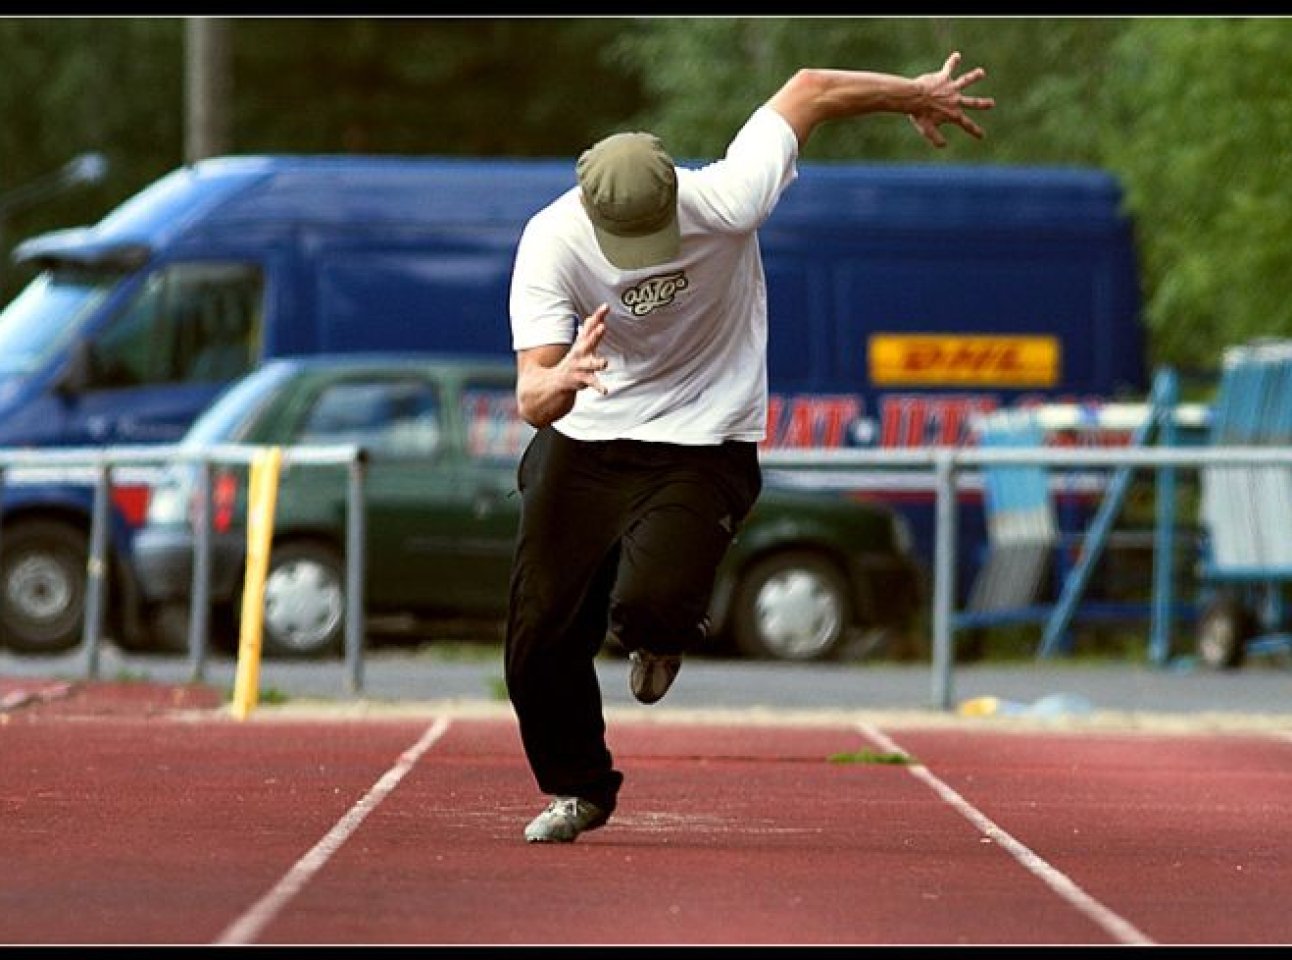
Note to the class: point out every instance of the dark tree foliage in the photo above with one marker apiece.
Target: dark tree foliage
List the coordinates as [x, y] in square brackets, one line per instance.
[72, 86]
[451, 86]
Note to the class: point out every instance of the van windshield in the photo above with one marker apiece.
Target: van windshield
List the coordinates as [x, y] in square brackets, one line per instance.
[47, 314]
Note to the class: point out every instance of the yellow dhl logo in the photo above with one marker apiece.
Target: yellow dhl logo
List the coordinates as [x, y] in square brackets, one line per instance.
[964, 360]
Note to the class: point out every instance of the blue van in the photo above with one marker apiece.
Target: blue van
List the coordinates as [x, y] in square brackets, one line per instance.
[903, 298]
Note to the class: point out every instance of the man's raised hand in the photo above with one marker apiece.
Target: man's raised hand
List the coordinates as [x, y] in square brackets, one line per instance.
[946, 103]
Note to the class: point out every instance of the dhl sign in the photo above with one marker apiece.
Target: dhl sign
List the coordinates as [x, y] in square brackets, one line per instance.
[946, 360]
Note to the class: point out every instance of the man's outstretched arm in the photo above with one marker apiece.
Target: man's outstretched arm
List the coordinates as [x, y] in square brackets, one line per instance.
[815, 94]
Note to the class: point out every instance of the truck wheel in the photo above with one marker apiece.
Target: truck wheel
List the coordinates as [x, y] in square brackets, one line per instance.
[42, 586]
[1224, 627]
[304, 602]
[791, 606]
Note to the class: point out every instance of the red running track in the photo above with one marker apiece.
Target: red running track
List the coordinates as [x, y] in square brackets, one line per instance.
[148, 815]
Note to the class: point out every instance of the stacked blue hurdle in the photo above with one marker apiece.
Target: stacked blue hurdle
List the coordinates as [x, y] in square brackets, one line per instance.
[1247, 510]
[1029, 551]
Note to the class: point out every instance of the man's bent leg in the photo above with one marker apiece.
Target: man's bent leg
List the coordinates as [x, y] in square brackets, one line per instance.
[685, 517]
[659, 606]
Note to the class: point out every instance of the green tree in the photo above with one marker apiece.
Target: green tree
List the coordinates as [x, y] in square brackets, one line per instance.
[449, 86]
[704, 76]
[1196, 121]
[76, 85]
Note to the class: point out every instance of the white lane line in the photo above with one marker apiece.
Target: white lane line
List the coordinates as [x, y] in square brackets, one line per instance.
[1120, 929]
[246, 928]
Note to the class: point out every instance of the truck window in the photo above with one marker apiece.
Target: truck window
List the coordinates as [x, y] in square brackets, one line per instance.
[394, 418]
[495, 431]
[190, 323]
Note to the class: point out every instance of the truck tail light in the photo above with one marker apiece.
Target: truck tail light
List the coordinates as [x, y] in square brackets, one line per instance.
[224, 496]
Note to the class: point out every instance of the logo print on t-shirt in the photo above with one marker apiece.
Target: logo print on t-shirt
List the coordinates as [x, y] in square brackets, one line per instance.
[654, 292]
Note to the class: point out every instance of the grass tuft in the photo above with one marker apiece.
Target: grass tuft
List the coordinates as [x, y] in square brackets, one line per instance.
[870, 756]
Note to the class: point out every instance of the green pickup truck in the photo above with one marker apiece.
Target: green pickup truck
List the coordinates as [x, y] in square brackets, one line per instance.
[808, 571]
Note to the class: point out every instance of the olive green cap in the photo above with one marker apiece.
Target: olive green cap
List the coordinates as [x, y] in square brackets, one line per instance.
[629, 190]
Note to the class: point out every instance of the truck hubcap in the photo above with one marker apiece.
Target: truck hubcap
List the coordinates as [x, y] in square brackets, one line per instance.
[303, 605]
[798, 616]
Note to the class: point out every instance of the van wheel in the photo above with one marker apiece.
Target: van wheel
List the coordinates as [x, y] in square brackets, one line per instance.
[1224, 627]
[42, 586]
[304, 602]
[792, 606]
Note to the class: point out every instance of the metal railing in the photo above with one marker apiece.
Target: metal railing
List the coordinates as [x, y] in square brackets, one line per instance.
[99, 465]
[949, 463]
[948, 466]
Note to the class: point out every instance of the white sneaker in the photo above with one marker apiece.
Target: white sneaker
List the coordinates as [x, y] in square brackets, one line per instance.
[564, 819]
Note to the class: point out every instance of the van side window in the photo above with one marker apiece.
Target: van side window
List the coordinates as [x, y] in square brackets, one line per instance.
[190, 323]
[396, 418]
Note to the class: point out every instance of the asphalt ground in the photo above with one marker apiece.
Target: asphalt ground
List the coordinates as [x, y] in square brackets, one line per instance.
[1258, 694]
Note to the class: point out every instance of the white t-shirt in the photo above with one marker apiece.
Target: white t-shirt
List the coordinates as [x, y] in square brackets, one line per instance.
[685, 341]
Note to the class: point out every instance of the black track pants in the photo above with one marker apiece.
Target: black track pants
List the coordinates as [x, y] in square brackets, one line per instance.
[615, 536]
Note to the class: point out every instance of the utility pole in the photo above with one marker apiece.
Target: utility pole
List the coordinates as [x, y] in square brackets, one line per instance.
[207, 87]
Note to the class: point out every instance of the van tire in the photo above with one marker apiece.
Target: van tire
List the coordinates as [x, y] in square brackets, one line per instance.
[42, 586]
[305, 602]
[794, 606]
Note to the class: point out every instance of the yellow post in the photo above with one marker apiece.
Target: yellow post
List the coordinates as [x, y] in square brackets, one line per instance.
[262, 495]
